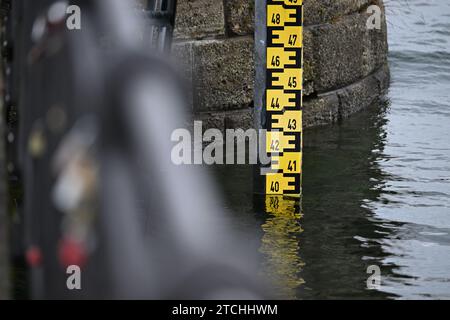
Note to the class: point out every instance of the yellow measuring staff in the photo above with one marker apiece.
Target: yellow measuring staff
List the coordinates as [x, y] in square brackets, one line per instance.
[288, 121]
[278, 100]
[288, 37]
[279, 58]
[280, 142]
[288, 79]
[280, 16]
[284, 84]
[281, 184]
[290, 162]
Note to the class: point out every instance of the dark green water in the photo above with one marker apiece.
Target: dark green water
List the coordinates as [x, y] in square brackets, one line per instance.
[376, 187]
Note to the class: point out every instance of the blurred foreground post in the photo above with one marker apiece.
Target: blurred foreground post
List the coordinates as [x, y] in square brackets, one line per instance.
[102, 194]
[4, 266]
[4, 236]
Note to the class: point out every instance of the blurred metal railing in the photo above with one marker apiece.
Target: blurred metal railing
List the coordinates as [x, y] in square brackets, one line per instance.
[162, 16]
[93, 144]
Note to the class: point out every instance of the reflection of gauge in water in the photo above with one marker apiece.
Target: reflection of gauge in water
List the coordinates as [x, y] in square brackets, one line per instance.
[280, 245]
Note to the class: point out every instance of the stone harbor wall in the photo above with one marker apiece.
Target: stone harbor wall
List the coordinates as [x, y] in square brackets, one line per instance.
[345, 63]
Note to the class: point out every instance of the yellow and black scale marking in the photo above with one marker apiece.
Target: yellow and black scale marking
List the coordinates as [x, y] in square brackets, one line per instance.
[283, 109]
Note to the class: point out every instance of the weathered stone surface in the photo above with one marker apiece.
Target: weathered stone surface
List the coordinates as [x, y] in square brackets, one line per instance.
[223, 74]
[235, 119]
[332, 106]
[343, 52]
[383, 76]
[361, 94]
[242, 119]
[211, 120]
[240, 16]
[198, 19]
[308, 62]
[321, 110]
[184, 60]
[323, 11]
[376, 47]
